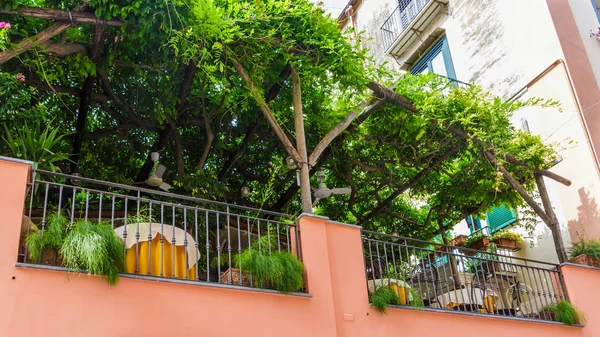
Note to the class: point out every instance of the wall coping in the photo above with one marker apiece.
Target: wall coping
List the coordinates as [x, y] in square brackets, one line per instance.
[17, 160]
[466, 313]
[168, 280]
[571, 264]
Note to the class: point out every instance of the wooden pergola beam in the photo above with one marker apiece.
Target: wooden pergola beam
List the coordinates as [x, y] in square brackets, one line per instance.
[391, 96]
[72, 17]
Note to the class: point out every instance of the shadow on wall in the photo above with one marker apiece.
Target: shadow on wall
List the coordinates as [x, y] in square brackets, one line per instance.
[587, 224]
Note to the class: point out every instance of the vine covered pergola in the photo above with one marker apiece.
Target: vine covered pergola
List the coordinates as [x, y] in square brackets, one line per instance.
[226, 90]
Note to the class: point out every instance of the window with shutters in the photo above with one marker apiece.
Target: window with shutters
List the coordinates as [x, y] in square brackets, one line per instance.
[497, 219]
[437, 60]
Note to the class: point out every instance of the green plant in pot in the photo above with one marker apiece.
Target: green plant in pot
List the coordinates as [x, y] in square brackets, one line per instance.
[564, 312]
[271, 268]
[43, 245]
[585, 252]
[506, 239]
[83, 245]
[95, 248]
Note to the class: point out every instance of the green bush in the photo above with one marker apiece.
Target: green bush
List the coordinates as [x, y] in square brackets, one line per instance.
[587, 247]
[382, 297]
[94, 248]
[565, 312]
[51, 237]
[271, 268]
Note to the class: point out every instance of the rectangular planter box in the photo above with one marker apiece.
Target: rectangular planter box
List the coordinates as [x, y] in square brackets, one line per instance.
[480, 244]
[507, 244]
[459, 240]
[586, 260]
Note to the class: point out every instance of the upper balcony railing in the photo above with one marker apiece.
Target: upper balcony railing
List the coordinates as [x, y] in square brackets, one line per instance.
[443, 277]
[400, 19]
[166, 236]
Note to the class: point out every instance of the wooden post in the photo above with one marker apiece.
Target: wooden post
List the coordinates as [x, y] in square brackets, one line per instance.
[554, 225]
[301, 144]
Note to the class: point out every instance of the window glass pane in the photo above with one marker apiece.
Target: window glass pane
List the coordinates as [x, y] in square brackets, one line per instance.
[438, 65]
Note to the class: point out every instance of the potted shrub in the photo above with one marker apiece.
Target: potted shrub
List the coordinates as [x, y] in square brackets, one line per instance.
[585, 252]
[505, 239]
[270, 268]
[563, 312]
[93, 247]
[43, 246]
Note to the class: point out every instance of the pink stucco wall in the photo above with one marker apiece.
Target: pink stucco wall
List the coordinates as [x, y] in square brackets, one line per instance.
[43, 303]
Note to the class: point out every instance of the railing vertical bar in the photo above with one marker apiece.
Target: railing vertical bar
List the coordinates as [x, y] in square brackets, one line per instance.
[112, 212]
[87, 204]
[173, 243]
[150, 238]
[207, 248]
[218, 249]
[162, 239]
[73, 204]
[229, 244]
[99, 207]
[239, 238]
[185, 244]
[197, 245]
[125, 230]
[249, 242]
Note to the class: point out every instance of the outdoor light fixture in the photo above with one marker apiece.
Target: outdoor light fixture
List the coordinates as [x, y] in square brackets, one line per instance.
[154, 156]
[321, 175]
[246, 191]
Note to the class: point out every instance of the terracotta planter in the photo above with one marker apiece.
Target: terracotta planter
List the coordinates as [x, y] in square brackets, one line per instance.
[480, 244]
[459, 240]
[586, 260]
[506, 244]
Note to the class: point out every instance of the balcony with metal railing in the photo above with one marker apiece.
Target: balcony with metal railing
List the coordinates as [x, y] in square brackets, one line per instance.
[440, 277]
[409, 18]
[166, 236]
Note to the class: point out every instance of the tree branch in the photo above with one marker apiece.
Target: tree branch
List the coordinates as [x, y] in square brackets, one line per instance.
[29, 43]
[408, 184]
[364, 108]
[291, 150]
[515, 185]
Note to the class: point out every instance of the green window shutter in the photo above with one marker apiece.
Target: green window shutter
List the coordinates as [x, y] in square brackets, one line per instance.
[500, 217]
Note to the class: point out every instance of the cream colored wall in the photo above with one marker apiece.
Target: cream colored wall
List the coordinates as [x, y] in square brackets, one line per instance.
[587, 21]
[502, 45]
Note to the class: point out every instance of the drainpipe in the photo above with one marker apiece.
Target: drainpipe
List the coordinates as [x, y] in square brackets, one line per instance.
[575, 98]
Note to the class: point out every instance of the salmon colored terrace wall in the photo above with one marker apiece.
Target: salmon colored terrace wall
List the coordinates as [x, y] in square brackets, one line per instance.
[36, 302]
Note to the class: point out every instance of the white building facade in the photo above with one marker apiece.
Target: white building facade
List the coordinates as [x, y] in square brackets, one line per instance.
[516, 50]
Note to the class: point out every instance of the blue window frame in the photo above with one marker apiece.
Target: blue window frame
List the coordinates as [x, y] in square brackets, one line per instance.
[437, 60]
[596, 7]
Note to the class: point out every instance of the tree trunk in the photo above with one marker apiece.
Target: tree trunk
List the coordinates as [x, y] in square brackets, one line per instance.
[301, 144]
[554, 224]
[85, 98]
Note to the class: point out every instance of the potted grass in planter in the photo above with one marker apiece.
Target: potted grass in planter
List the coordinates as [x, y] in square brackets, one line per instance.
[505, 239]
[562, 312]
[91, 247]
[477, 241]
[269, 268]
[43, 245]
[585, 252]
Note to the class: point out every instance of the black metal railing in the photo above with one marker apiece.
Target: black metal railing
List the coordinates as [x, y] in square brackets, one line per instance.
[443, 277]
[166, 235]
[400, 20]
